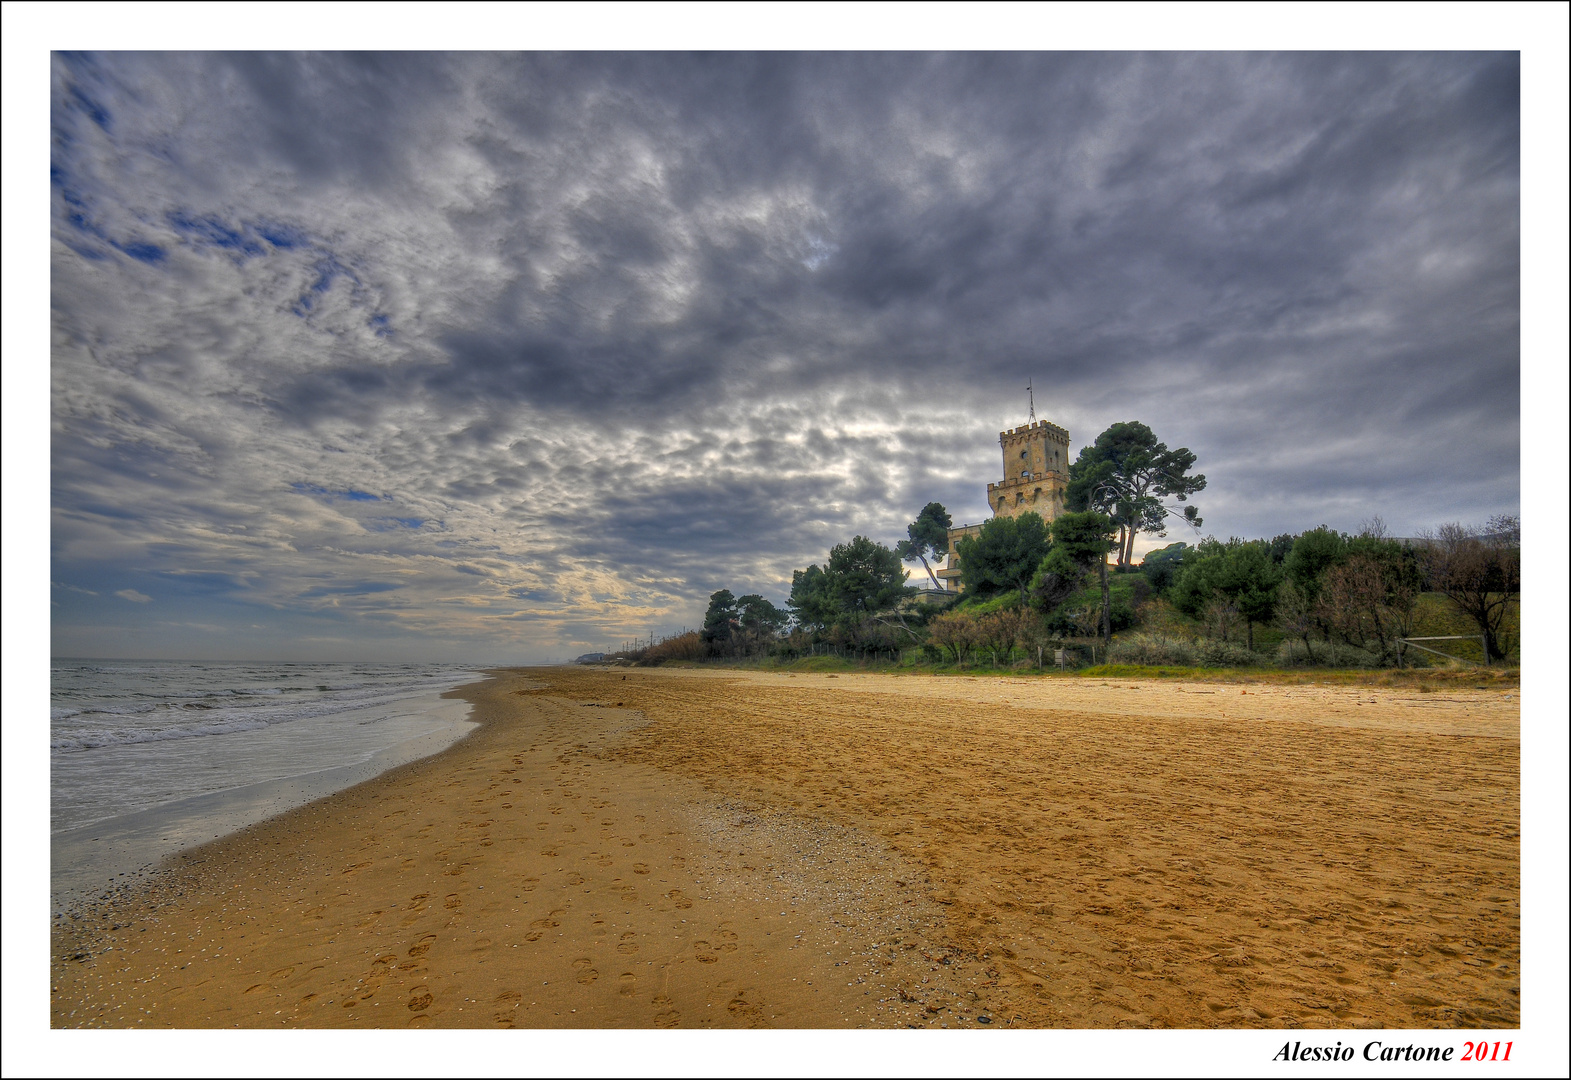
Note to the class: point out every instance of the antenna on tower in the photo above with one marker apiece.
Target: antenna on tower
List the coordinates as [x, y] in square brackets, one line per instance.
[1031, 396]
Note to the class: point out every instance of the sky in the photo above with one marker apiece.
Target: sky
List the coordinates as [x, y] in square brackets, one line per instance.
[516, 356]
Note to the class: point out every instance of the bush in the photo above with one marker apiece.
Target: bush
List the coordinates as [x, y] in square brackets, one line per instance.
[1225, 654]
[1291, 653]
[1151, 649]
[1165, 650]
[686, 646]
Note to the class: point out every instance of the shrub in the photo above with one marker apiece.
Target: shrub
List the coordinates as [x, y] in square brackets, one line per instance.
[687, 646]
[1291, 653]
[1165, 650]
[1150, 649]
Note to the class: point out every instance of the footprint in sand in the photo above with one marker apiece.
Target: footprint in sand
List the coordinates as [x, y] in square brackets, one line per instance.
[420, 1000]
[705, 954]
[452, 901]
[676, 897]
[575, 879]
[528, 884]
[640, 868]
[285, 972]
[628, 983]
[744, 1009]
[385, 958]
[628, 945]
[423, 946]
[667, 1019]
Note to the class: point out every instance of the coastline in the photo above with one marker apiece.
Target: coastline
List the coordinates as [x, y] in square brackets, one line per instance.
[652, 848]
[87, 858]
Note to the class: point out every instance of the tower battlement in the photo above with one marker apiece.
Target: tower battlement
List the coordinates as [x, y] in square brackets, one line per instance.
[1027, 431]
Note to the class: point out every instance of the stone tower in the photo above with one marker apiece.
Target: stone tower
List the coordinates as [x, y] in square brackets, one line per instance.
[1036, 471]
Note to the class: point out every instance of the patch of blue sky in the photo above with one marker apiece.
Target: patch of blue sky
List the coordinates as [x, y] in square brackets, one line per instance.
[280, 236]
[387, 524]
[328, 269]
[360, 588]
[248, 239]
[212, 230]
[326, 493]
[94, 111]
[381, 324]
[141, 251]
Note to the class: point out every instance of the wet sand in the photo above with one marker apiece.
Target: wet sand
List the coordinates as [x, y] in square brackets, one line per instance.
[709, 848]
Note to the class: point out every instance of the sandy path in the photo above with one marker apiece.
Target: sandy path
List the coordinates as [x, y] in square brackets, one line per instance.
[1040, 852]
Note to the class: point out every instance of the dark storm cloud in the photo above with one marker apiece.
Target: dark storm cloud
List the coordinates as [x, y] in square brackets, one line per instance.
[551, 346]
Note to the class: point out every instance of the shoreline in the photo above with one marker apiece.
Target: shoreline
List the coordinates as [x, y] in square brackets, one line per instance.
[86, 858]
[647, 848]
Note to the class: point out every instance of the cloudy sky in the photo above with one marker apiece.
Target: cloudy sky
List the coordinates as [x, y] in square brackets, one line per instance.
[509, 357]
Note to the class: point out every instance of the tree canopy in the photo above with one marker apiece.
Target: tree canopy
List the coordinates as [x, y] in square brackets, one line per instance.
[1079, 542]
[860, 580]
[927, 536]
[1479, 572]
[1126, 474]
[1004, 555]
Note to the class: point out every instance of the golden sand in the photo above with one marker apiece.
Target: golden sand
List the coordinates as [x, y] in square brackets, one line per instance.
[720, 848]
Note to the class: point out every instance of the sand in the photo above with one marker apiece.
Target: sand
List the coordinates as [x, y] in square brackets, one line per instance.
[732, 849]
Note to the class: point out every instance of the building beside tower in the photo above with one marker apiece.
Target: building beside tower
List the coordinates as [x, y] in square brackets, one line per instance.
[1036, 474]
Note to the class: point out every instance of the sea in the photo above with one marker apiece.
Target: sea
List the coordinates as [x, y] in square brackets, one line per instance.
[148, 757]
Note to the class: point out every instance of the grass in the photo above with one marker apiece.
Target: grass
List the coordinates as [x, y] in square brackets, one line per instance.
[1423, 680]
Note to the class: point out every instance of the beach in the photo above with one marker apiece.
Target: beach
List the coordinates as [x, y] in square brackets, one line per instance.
[708, 848]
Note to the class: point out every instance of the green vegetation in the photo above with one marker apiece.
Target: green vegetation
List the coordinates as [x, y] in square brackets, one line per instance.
[1126, 474]
[1039, 596]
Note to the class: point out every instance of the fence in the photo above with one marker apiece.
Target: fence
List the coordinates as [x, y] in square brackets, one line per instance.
[1482, 641]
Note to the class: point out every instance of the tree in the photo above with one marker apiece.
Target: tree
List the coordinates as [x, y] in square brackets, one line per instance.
[1004, 555]
[759, 622]
[1295, 615]
[720, 621]
[1353, 602]
[1126, 474]
[865, 577]
[1479, 573]
[1312, 554]
[1162, 565]
[1248, 578]
[1225, 582]
[810, 603]
[1080, 542]
[955, 631]
[861, 582]
[927, 535]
